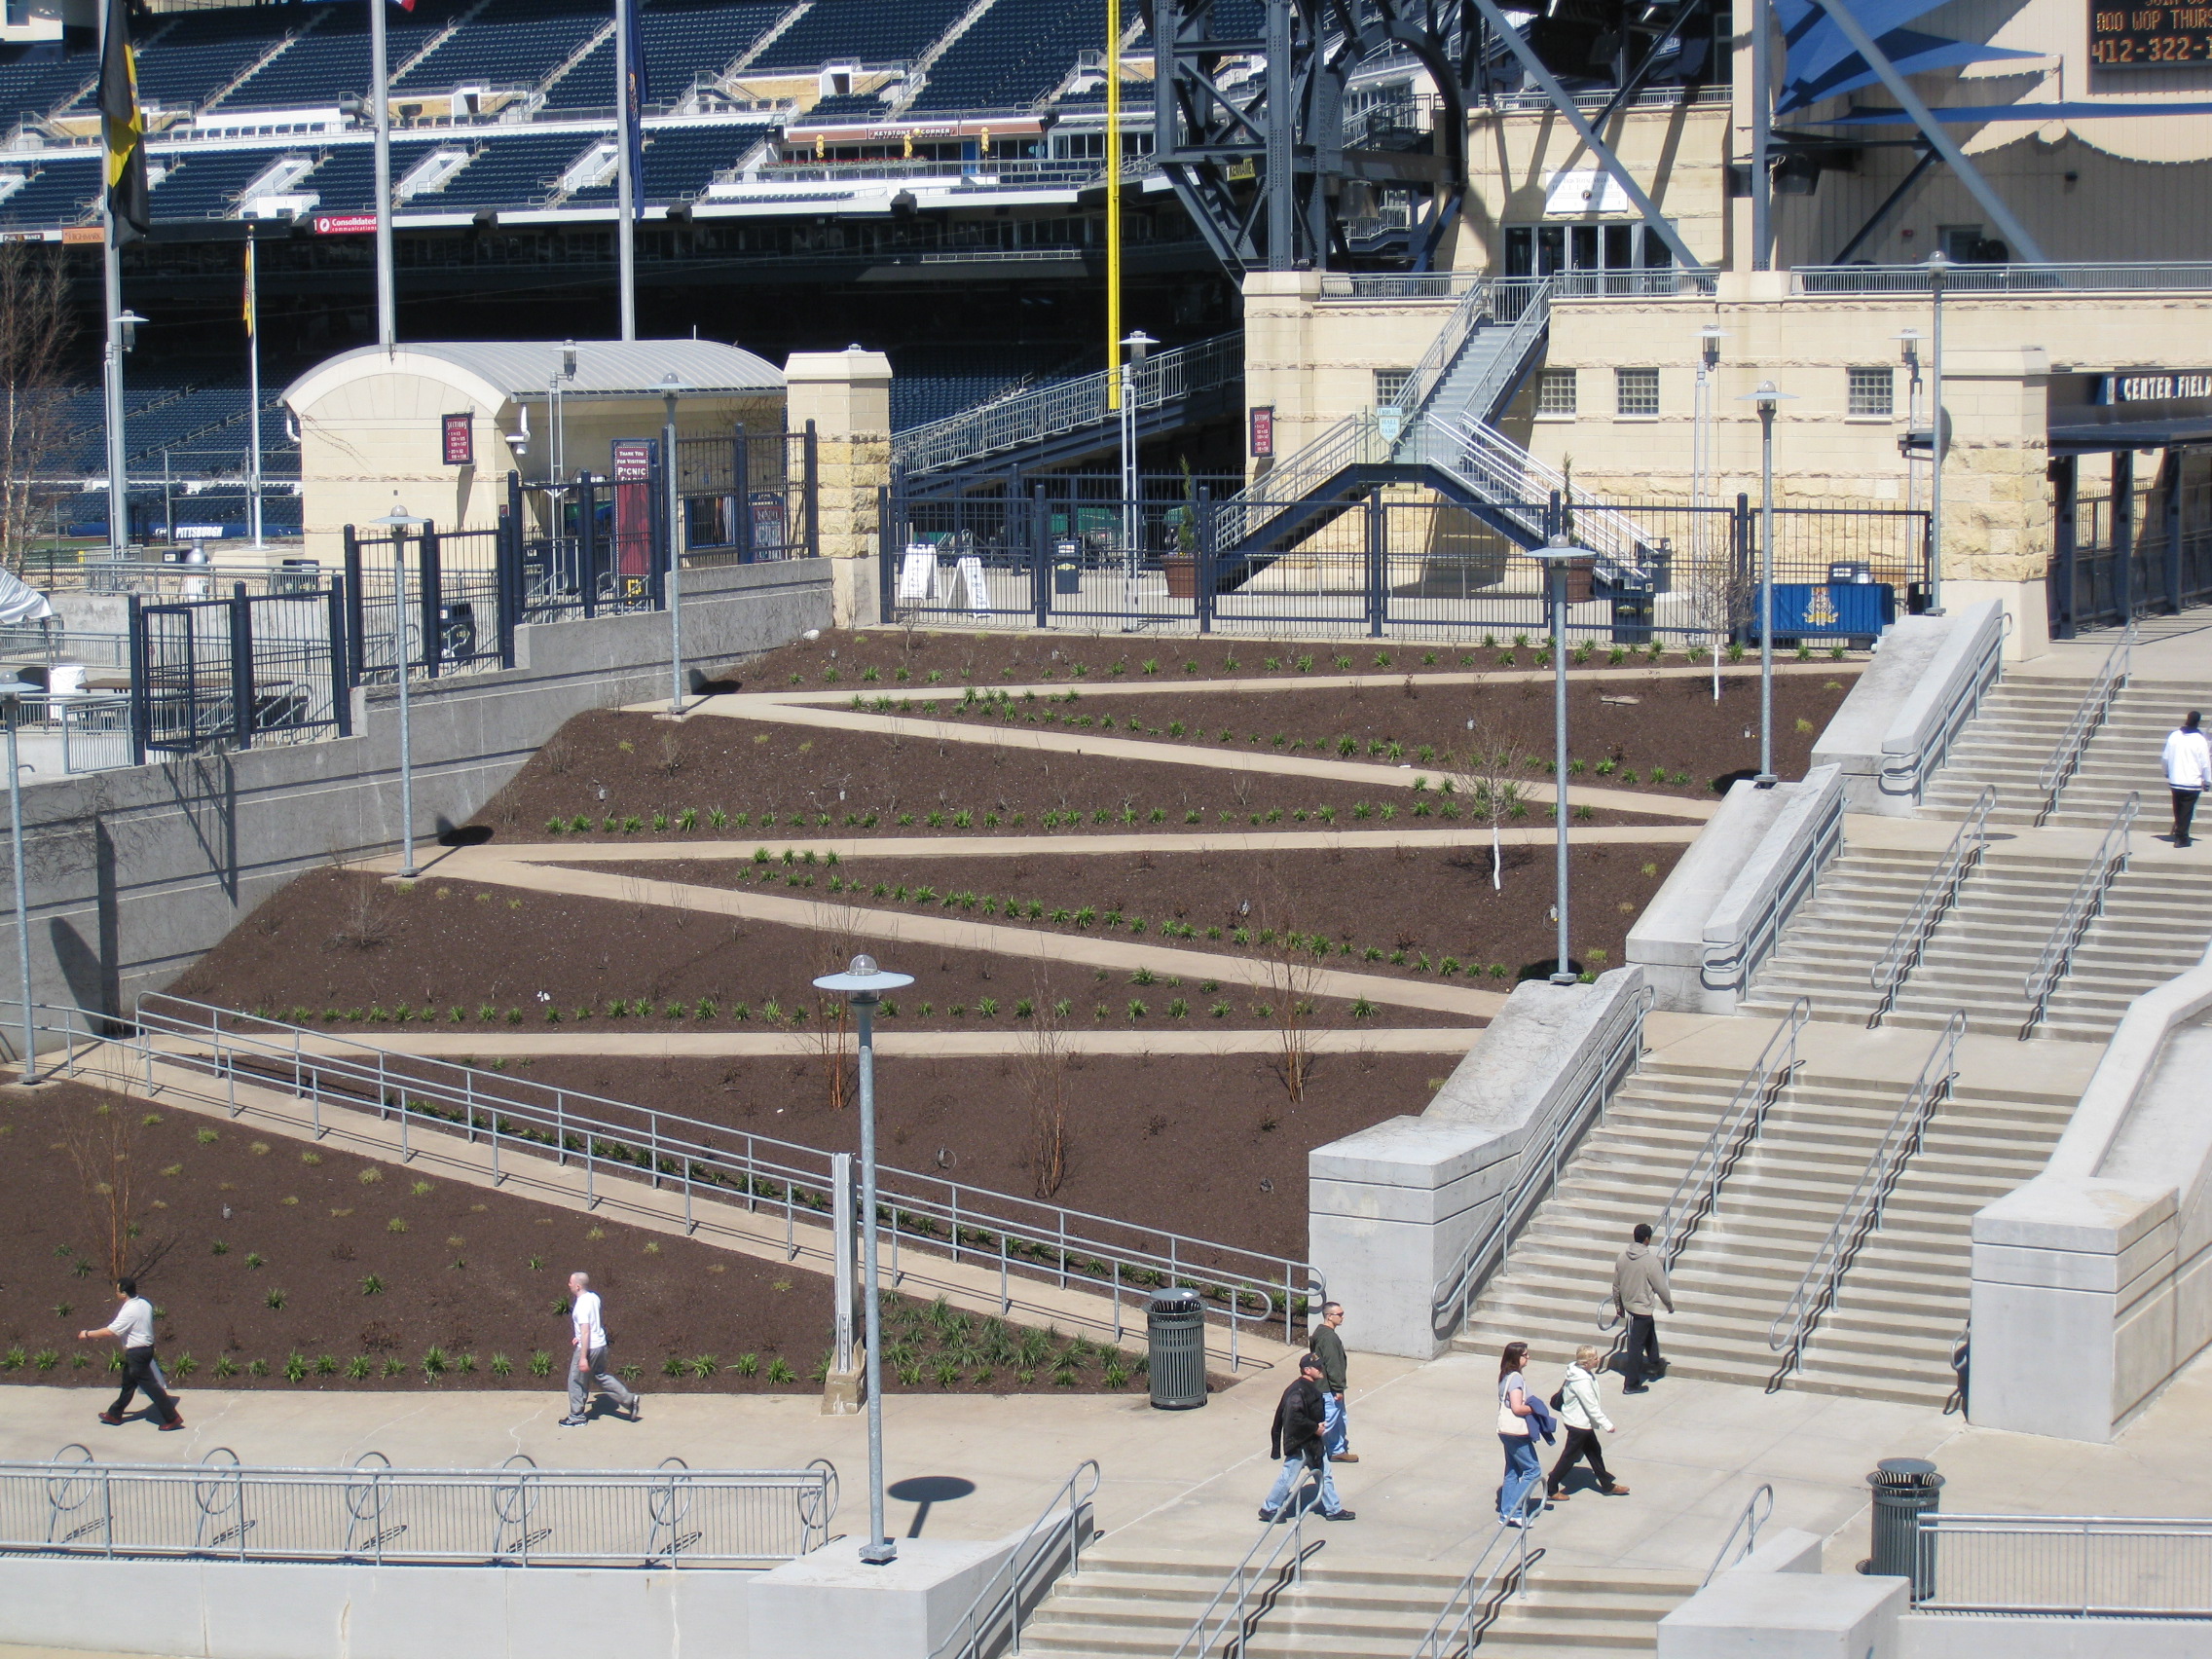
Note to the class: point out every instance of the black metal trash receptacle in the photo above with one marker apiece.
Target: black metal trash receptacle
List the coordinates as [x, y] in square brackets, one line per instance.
[1632, 616]
[1904, 1489]
[1175, 1338]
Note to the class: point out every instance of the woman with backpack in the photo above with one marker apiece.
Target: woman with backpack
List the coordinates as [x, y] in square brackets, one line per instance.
[1518, 1424]
[1579, 1411]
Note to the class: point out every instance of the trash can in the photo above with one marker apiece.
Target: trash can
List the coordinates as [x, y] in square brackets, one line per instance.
[1633, 611]
[1175, 1338]
[1067, 567]
[1904, 1489]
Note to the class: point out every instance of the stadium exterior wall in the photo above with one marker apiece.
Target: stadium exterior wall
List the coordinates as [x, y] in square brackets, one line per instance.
[134, 873]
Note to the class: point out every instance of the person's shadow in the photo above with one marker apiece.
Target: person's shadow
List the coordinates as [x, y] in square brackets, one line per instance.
[927, 1490]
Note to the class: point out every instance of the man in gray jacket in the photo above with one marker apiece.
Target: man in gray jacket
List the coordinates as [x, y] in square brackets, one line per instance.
[1639, 1291]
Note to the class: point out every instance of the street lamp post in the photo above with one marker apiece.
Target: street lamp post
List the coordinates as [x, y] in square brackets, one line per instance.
[1767, 397]
[862, 984]
[12, 695]
[1939, 268]
[399, 520]
[669, 389]
[1555, 557]
[1134, 348]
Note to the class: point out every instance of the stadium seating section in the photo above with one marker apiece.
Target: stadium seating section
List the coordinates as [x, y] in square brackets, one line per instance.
[929, 383]
[862, 31]
[680, 162]
[1014, 54]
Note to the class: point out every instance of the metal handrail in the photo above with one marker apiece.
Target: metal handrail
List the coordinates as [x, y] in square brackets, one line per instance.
[1756, 1515]
[971, 1636]
[1524, 305]
[1501, 471]
[1047, 411]
[1739, 1124]
[1204, 1631]
[1861, 1211]
[1473, 1592]
[221, 1508]
[1918, 765]
[2094, 710]
[697, 1159]
[2115, 1566]
[1435, 363]
[1609, 1054]
[1354, 439]
[1937, 895]
[2083, 906]
[1752, 946]
[2011, 279]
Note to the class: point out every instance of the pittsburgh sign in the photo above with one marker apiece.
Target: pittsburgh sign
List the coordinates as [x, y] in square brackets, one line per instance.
[2147, 37]
[2156, 387]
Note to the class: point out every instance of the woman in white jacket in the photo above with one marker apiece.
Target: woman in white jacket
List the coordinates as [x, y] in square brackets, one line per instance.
[1583, 1419]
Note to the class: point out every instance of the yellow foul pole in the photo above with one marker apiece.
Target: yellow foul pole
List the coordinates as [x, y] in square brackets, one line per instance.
[1113, 204]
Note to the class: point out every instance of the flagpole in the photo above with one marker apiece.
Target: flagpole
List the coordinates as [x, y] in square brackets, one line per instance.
[253, 382]
[387, 303]
[118, 481]
[626, 186]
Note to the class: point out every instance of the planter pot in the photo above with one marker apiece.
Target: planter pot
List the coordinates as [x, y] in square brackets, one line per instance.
[1182, 575]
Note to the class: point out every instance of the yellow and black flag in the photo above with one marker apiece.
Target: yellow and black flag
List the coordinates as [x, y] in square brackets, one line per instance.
[122, 129]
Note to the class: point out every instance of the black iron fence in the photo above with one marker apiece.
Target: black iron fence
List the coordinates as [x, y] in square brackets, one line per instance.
[253, 666]
[2136, 552]
[243, 670]
[1388, 566]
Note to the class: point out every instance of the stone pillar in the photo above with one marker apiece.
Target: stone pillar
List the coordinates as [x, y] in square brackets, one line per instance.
[1279, 359]
[1997, 496]
[847, 395]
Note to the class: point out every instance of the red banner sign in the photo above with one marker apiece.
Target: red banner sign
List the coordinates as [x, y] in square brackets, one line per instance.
[1263, 429]
[460, 440]
[633, 460]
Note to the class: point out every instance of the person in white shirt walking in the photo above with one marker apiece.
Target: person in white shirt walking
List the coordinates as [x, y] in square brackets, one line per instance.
[1584, 1419]
[588, 1367]
[132, 1330]
[2189, 772]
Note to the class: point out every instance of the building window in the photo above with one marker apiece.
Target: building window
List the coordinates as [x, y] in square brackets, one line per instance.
[1555, 391]
[1873, 391]
[1390, 387]
[1635, 392]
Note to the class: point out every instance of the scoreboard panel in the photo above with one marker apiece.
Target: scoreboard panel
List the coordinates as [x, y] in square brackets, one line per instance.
[2148, 37]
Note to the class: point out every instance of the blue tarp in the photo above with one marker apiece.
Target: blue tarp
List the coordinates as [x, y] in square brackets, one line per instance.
[1821, 64]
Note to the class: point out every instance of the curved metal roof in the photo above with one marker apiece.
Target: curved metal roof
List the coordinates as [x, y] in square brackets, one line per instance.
[605, 368]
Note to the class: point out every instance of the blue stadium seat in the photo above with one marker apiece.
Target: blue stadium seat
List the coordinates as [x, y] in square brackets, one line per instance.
[1015, 54]
[865, 31]
[680, 162]
[507, 172]
[60, 193]
[199, 52]
[206, 185]
[330, 59]
[510, 42]
[35, 79]
[929, 383]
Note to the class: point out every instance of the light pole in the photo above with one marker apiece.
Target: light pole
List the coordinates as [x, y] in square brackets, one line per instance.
[1134, 348]
[1767, 399]
[12, 695]
[1908, 353]
[399, 520]
[862, 984]
[669, 390]
[1555, 557]
[1939, 268]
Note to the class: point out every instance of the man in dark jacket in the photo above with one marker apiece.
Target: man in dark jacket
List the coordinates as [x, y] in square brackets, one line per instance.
[1639, 1291]
[1329, 1350]
[1296, 1438]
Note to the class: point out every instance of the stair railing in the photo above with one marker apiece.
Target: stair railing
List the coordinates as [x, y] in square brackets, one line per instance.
[1756, 1515]
[2083, 905]
[1229, 1627]
[1501, 471]
[1500, 1572]
[1738, 1125]
[1525, 308]
[1423, 379]
[1938, 893]
[2094, 710]
[1863, 1210]
[1572, 1104]
[1007, 1598]
[1352, 440]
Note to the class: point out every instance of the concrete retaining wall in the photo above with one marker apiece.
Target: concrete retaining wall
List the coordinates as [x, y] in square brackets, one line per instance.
[1391, 1209]
[1887, 735]
[134, 873]
[2103, 1256]
[1703, 936]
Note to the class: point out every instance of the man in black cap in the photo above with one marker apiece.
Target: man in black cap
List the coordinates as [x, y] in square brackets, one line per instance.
[1296, 1438]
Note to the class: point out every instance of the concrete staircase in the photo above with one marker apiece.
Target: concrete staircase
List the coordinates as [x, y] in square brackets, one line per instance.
[2157, 921]
[1144, 1604]
[2020, 722]
[1902, 1305]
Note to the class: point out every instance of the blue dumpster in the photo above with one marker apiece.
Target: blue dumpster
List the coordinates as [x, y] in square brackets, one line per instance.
[1807, 611]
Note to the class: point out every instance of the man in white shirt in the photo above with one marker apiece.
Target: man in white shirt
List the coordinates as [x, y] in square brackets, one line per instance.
[589, 1364]
[132, 1330]
[2189, 772]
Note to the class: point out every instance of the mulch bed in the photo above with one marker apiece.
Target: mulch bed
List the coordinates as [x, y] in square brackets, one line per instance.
[628, 776]
[1626, 731]
[1420, 911]
[920, 658]
[1209, 1146]
[343, 951]
[258, 1256]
